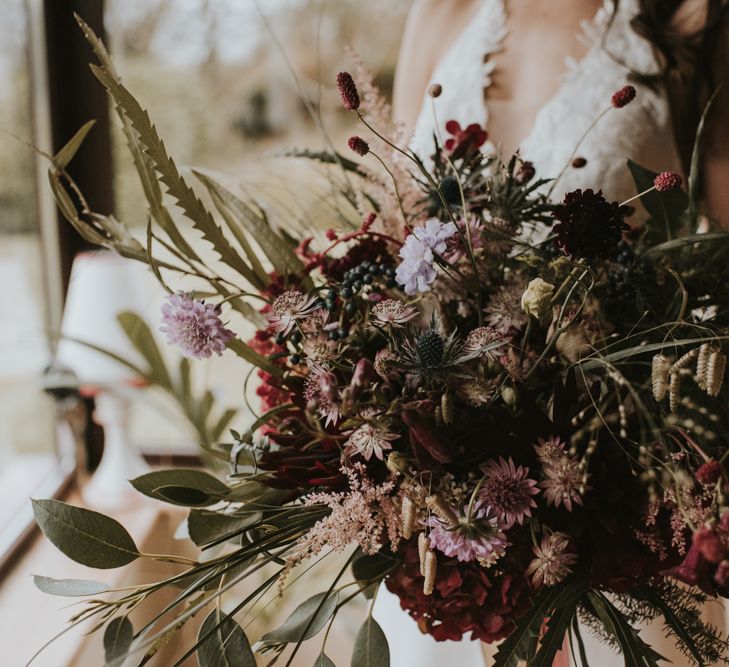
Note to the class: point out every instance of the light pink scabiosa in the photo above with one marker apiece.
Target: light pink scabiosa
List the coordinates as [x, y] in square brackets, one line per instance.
[194, 326]
[504, 312]
[392, 313]
[487, 342]
[289, 308]
[563, 484]
[552, 562]
[416, 272]
[508, 490]
[549, 451]
[475, 537]
[369, 440]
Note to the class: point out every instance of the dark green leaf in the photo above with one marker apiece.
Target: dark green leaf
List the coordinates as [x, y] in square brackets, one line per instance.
[118, 638]
[667, 210]
[226, 644]
[372, 568]
[182, 487]
[323, 661]
[305, 621]
[370, 646]
[85, 536]
[553, 640]
[205, 527]
[69, 587]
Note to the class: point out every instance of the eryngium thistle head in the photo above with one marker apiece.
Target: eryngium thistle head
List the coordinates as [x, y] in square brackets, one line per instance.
[588, 225]
[348, 91]
[430, 347]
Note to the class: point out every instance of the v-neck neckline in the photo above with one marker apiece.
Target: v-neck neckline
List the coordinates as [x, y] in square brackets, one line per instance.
[571, 65]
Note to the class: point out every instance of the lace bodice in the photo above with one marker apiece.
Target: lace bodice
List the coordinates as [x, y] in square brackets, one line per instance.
[641, 131]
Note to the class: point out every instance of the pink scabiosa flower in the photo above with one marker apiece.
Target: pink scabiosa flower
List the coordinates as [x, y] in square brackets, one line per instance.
[369, 440]
[194, 326]
[358, 145]
[552, 562]
[486, 342]
[504, 312]
[667, 180]
[392, 313]
[623, 97]
[416, 272]
[289, 308]
[563, 484]
[348, 91]
[508, 490]
[477, 536]
[549, 451]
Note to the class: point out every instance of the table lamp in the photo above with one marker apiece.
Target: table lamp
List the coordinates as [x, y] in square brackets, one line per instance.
[103, 285]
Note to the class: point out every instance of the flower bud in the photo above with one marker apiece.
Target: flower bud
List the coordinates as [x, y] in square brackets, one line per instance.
[537, 298]
[435, 90]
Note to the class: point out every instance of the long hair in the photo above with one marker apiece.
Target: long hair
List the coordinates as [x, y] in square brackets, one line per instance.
[689, 64]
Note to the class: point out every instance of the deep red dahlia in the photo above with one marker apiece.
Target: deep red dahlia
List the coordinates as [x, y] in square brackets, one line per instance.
[588, 225]
[467, 598]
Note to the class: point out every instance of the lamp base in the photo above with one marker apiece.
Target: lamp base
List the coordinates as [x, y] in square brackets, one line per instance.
[109, 487]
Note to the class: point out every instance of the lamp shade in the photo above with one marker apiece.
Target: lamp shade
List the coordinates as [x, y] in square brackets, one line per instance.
[103, 285]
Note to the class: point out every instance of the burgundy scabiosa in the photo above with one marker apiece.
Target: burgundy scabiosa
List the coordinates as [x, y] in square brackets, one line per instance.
[348, 91]
[589, 226]
[508, 491]
[194, 326]
[475, 535]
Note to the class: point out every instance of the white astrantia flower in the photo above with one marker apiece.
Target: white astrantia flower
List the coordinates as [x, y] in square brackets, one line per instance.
[416, 272]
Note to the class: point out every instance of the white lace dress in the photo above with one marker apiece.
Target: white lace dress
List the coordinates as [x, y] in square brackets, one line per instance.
[640, 131]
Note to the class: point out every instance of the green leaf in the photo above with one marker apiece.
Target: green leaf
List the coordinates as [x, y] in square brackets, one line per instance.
[370, 646]
[65, 155]
[206, 527]
[251, 356]
[667, 210]
[140, 336]
[305, 621]
[324, 661]
[85, 536]
[69, 587]
[282, 258]
[118, 638]
[226, 644]
[368, 568]
[553, 639]
[182, 486]
[694, 177]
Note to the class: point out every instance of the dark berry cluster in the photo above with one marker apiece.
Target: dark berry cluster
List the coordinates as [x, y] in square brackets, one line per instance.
[367, 273]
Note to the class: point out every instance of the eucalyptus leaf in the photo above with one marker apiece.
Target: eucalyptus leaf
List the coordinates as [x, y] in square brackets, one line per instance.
[370, 646]
[118, 638]
[69, 587]
[181, 486]
[140, 335]
[226, 644]
[305, 621]
[323, 661]
[250, 355]
[85, 536]
[205, 526]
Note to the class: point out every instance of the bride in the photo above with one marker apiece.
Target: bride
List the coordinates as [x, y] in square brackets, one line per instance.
[536, 74]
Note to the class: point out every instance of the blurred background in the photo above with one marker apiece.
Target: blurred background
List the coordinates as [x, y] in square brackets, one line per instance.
[231, 86]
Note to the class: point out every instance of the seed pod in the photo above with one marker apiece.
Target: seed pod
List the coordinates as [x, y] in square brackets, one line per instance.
[702, 363]
[446, 407]
[423, 547]
[407, 517]
[684, 360]
[441, 509]
[429, 570]
[659, 376]
[674, 388]
[715, 372]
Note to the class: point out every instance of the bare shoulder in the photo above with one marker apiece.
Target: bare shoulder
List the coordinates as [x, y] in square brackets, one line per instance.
[690, 17]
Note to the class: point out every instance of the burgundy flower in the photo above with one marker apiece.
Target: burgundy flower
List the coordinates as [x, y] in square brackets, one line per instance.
[464, 141]
[348, 91]
[667, 180]
[508, 490]
[359, 145]
[526, 173]
[623, 97]
[709, 473]
[588, 225]
[467, 597]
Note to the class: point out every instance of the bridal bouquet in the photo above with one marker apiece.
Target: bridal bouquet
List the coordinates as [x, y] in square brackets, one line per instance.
[510, 412]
